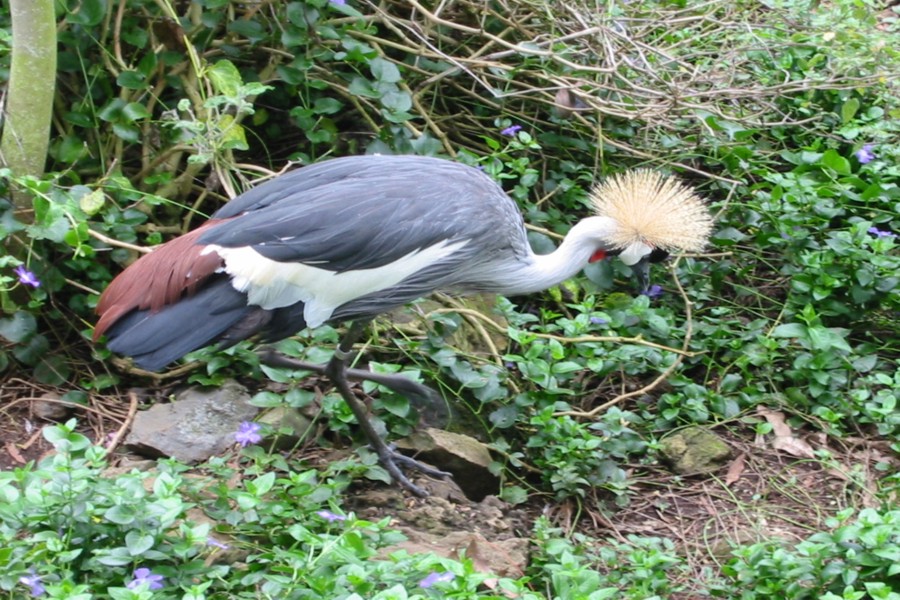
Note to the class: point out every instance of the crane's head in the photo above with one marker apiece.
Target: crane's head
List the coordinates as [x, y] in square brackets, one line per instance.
[655, 214]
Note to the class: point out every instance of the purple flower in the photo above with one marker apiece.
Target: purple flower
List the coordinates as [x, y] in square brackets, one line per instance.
[248, 433]
[435, 578]
[144, 575]
[654, 291]
[511, 130]
[338, 2]
[881, 233]
[216, 544]
[599, 321]
[865, 154]
[330, 516]
[34, 582]
[26, 277]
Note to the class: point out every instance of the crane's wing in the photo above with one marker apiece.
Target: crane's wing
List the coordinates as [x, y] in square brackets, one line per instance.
[364, 212]
[345, 238]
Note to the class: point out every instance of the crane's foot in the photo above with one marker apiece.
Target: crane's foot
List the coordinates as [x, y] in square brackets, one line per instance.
[336, 370]
[392, 460]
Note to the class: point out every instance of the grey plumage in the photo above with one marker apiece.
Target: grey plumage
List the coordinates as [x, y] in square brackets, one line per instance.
[353, 237]
[332, 214]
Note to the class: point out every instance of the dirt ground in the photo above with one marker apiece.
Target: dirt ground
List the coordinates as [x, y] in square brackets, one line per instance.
[762, 494]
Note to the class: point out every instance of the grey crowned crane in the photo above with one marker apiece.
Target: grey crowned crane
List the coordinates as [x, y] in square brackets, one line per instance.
[350, 238]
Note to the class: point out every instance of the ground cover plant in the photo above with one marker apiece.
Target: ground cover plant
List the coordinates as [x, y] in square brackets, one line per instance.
[782, 337]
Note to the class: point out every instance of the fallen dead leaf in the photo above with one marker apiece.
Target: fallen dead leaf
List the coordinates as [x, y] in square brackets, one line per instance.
[14, 453]
[794, 447]
[776, 420]
[784, 437]
[735, 469]
[488, 557]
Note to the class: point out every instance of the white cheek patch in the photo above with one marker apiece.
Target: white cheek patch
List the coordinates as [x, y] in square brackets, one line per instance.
[635, 252]
[271, 284]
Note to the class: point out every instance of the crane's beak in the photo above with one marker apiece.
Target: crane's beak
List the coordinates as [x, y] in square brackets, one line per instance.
[641, 272]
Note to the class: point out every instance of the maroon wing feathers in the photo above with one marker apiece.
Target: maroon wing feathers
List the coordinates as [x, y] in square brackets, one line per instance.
[157, 279]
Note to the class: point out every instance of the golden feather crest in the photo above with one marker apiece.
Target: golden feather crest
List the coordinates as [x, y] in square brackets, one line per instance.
[656, 210]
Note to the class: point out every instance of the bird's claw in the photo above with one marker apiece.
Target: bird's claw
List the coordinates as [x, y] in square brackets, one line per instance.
[390, 458]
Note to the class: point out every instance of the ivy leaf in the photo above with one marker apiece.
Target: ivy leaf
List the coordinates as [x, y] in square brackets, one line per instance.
[93, 202]
[836, 162]
[233, 135]
[505, 416]
[225, 77]
[363, 87]
[18, 328]
[89, 13]
[848, 110]
[135, 111]
[385, 71]
[789, 330]
[262, 484]
[132, 80]
[394, 404]
[52, 370]
[138, 543]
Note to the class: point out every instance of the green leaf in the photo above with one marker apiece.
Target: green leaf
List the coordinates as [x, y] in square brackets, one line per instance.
[505, 416]
[827, 339]
[396, 101]
[267, 399]
[320, 136]
[135, 111]
[396, 405]
[347, 9]
[789, 330]
[261, 484]
[659, 324]
[252, 30]
[117, 559]
[385, 71]
[70, 149]
[233, 135]
[52, 370]
[127, 132]
[32, 350]
[138, 543]
[18, 328]
[121, 514]
[93, 202]
[363, 87]
[568, 366]
[298, 13]
[514, 494]
[131, 80]
[112, 110]
[225, 77]
[89, 13]
[836, 162]
[848, 110]
[729, 236]
[327, 106]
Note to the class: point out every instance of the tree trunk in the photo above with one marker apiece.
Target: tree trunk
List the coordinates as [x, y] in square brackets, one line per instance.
[29, 99]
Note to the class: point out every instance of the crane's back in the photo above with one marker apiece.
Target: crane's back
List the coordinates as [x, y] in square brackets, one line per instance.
[290, 249]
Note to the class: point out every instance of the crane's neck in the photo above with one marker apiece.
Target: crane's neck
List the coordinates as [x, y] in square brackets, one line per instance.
[546, 270]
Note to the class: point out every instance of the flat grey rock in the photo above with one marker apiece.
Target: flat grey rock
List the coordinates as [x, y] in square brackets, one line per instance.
[198, 424]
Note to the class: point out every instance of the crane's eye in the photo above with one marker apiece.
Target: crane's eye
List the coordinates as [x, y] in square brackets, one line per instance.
[658, 255]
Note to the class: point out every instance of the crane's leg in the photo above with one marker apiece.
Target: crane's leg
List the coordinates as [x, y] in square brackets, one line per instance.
[428, 402]
[336, 371]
